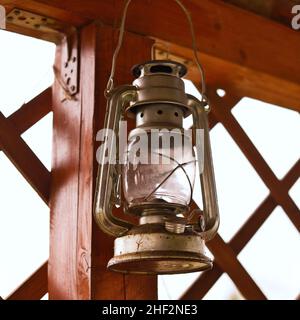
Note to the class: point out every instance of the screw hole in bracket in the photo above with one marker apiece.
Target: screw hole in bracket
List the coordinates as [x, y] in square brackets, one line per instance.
[221, 93]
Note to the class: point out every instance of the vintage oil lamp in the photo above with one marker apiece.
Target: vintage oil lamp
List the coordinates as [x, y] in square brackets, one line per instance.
[156, 185]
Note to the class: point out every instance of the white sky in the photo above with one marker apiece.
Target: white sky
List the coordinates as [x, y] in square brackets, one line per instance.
[272, 257]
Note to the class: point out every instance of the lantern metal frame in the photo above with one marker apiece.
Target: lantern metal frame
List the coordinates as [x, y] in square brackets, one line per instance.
[156, 242]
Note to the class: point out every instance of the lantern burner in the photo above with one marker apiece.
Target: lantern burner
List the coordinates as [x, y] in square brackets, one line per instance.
[150, 249]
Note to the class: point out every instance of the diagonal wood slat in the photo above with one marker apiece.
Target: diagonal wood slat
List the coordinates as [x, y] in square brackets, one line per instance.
[255, 158]
[207, 279]
[226, 258]
[32, 111]
[24, 159]
[34, 288]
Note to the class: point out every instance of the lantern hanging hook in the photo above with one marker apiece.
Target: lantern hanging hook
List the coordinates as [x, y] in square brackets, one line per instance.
[110, 83]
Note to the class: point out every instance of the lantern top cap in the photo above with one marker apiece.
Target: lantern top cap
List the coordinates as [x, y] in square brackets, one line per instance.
[168, 67]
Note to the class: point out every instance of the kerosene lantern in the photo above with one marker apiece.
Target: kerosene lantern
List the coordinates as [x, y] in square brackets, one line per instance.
[159, 193]
[153, 177]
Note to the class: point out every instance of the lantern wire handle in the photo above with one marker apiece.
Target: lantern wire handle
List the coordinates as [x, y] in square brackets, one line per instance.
[110, 83]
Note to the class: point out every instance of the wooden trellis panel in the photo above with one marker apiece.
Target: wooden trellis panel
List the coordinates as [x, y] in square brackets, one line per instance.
[35, 287]
[221, 109]
[251, 70]
[202, 285]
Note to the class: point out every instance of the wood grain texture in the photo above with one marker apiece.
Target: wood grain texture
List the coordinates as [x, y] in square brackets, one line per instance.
[222, 30]
[79, 251]
[234, 78]
[107, 284]
[233, 56]
[207, 279]
[227, 260]
[61, 14]
[32, 111]
[279, 194]
[34, 288]
[23, 158]
[278, 10]
[63, 275]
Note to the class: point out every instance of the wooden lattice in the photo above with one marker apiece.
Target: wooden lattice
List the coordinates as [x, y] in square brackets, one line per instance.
[225, 253]
[271, 82]
[33, 171]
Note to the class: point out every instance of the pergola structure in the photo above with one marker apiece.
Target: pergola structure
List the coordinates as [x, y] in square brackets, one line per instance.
[242, 52]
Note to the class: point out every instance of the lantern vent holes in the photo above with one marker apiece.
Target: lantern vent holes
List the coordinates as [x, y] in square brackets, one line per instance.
[176, 114]
[159, 112]
[160, 68]
[142, 115]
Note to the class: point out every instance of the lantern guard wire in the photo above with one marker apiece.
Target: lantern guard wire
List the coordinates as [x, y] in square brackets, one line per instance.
[110, 83]
[179, 165]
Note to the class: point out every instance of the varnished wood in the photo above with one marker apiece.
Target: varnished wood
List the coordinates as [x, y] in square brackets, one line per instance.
[79, 251]
[235, 58]
[207, 279]
[34, 288]
[222, 30]
[32, 111]
[69, 269]
[106, 284]
[278, 10]
[37, 7]
[236, 79]
[24, 159]
[227, 260]
[280, 194]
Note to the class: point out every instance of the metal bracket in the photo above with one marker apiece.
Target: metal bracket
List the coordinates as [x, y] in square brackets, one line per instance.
[46, 28]
[70, 63]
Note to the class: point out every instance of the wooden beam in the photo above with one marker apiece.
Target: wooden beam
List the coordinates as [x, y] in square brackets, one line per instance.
[69, 267]
[225, 257]
[234, 78]
[207, 279]
[280, 195]
[222, 30]
[32, 111]
[233, 56]
[79, 251]
[278, 10]
[34, 288]
[256, 220]
[107, 284]
[37, 7]
[24, 159]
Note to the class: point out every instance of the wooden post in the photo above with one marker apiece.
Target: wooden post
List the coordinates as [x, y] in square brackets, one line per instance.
[79, 251]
